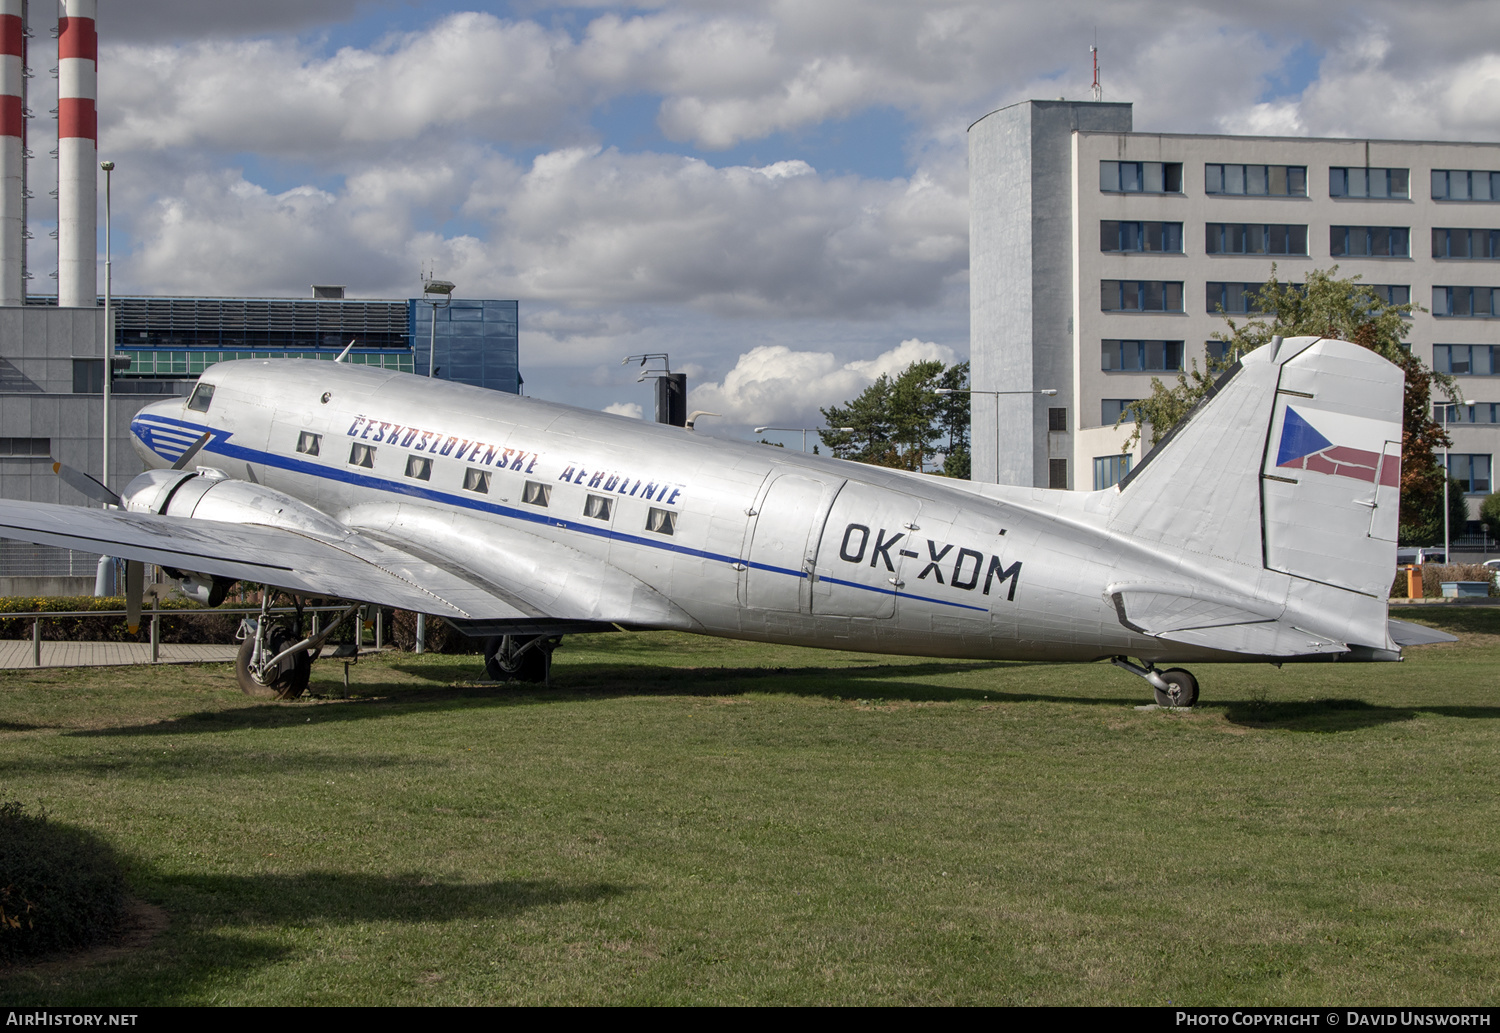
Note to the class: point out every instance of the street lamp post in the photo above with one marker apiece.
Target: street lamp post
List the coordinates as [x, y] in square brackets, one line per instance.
[1447, 473]
[1049, 392]
[109, 341]
[804, 430]
[443, 289]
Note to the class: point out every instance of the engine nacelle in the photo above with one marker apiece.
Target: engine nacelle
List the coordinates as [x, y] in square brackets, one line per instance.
[209, 494]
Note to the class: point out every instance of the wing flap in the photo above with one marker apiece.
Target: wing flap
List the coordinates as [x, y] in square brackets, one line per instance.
[535, 574]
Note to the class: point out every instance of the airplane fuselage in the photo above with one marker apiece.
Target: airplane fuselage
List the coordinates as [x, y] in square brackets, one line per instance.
[710, 536]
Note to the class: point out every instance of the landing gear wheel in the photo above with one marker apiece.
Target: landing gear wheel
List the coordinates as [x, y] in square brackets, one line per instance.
[1184, 689]
[510, 658]
[289, 679]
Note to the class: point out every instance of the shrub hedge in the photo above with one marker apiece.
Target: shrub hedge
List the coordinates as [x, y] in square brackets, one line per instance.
[1434, 574]
[61, 888]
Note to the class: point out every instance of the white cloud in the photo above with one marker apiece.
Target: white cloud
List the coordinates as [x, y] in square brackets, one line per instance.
[580, 227]
[775, 384]
[468, 74]
[630, 409]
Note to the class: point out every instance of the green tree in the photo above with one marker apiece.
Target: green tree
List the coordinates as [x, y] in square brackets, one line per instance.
[900, 421]
[1489, 514]
[1329, 306]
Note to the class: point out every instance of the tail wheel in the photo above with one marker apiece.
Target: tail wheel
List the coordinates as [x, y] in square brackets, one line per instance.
[289, 678]
[1182, 689]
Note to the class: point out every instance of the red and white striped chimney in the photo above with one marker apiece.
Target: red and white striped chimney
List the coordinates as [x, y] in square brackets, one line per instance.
[12, 152]
[77, 155]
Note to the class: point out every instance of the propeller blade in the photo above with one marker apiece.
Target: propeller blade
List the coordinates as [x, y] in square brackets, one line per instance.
[135, 576]
[192, 451]
[86, 485]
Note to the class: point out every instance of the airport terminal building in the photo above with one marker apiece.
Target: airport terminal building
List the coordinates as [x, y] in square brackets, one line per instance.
[1102, 257]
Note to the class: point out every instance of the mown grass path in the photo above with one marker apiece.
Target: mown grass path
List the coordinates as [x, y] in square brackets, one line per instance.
[686, 820]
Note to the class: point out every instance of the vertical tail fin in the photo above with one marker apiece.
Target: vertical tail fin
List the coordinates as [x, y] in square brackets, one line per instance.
[1291, 468]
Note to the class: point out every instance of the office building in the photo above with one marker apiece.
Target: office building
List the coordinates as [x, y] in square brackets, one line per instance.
[1101, 258]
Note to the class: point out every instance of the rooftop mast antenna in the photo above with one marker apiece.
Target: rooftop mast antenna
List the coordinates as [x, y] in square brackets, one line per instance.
[1094, 51]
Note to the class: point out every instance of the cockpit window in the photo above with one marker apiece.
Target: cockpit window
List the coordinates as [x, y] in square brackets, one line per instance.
[203, 395]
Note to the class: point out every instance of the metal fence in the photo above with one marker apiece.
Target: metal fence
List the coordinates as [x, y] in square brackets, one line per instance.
[23, 559]
[153, 617]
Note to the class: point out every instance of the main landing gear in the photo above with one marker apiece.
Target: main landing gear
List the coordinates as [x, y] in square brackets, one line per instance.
[1173, 687]
[520, 658]
[275, 661]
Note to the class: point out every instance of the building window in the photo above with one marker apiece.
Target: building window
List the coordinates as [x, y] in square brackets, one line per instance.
[362, 455]
[419, 468]
[1483, 412]
[1355, 182]
[1471, 471]
[1110, 470]
[661, 521]
[1140, 295]
[1140, 177]
[1465, 185]
[1234, 297]
[1057, 419]
[536, 494]
[25, 448]
[1140, 236]
[1464, 360]
[1370, 241]
[1391, 293]
[477, 481]
[1448, 243]
[1233, 238]
[1256, 180]
[598, 507]
[1057, 474]
[1112, 408]
[308, 443]
[202, 398]
[1217, 351]
[88, 376]
[1136, 356]
[1463, 301]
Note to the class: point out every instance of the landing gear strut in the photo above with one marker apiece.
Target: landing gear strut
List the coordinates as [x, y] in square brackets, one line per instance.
[520, 658]
[1173, 687]
[272, 662]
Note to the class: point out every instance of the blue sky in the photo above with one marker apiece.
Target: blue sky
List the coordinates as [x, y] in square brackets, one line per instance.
[758, 188]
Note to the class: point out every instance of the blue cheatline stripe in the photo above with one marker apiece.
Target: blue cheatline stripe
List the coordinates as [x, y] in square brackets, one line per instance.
[220, 443]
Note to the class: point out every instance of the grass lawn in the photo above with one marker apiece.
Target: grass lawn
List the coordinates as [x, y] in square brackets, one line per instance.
[689, 820]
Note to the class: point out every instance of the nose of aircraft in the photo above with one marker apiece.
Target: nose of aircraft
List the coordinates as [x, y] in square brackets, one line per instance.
[159, 433]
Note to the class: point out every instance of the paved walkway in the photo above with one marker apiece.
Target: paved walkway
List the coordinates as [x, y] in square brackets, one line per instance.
[18, 654]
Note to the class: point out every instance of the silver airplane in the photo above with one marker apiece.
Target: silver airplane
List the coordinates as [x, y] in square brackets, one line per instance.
[1263, 529]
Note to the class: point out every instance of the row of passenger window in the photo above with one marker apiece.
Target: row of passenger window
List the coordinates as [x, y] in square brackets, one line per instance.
[1236, 238]
[1165, 177]
[534, 493]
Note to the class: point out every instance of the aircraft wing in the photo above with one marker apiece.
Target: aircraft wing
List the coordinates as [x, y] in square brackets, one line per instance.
[356, 567]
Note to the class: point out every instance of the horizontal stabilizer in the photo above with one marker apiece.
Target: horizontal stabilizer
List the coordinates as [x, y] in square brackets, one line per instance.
[1214, 620]
[1405, 633]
